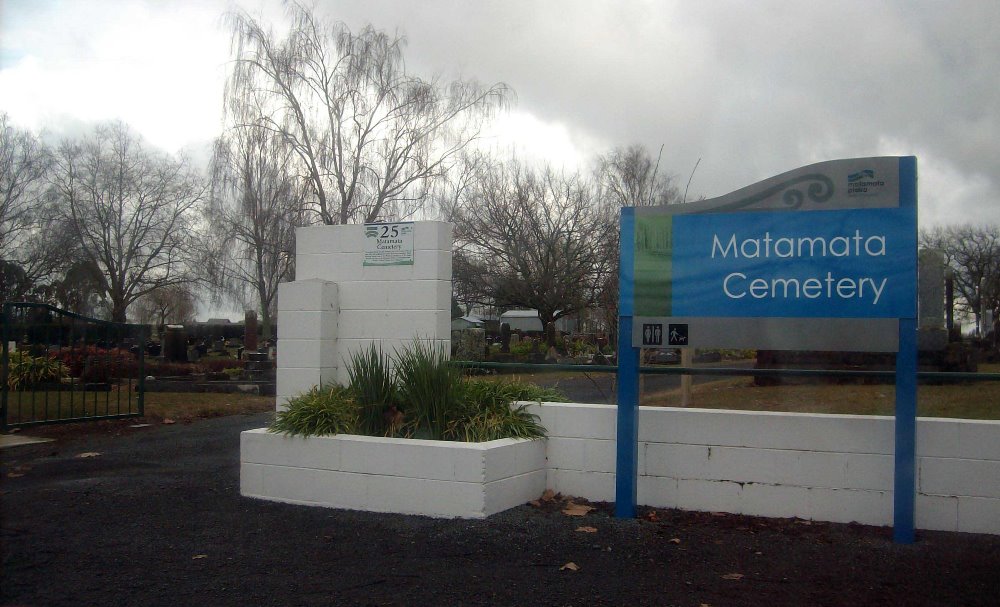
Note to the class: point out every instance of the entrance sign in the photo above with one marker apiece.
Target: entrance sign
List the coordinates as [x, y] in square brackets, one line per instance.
[743, 270]
[823, 257]
[389, 244]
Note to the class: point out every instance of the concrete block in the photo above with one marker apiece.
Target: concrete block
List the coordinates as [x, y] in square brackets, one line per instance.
[304, 353]
[674, 461]
[584, 421]
[979, 515]
[500, 461]
[299, 324]
[936, 512]
[565, 453]
[251, 479]
[868, 471]
[335, 489]
[361, 455]
[396, 295]
[657, 492]
[529, 456]
[710, 496]
[959, 477]
[782, 501]
[600, 456]
[418, 459]
[958, 438]
[848, 505]
[308, 295]
[262, 447]
[385, 324]
[326, 239]
[289, 484]
[596, 486]
[513, 491]
[349, 267]
[766, 430]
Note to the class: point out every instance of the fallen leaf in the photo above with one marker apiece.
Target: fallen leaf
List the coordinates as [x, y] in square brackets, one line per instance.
[571, 566]
[733, 576]
[88, 454]
[572, 509]
[675, 540]
[168, 421]
[803, 522]
[548, 496]
[535, 503]
[14, 474]
[704, 605]
[651, 516]
[587, 529]
[199, 556]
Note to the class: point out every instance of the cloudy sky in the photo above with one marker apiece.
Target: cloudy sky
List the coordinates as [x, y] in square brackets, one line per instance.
[751, 88]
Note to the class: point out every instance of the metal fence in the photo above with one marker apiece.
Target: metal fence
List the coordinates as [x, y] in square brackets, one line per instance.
[61, 367]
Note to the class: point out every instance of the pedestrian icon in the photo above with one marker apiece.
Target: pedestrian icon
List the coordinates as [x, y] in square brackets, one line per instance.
[677, 335]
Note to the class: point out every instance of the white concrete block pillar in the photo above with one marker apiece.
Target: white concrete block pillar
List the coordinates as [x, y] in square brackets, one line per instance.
[389, 305]
[307, 336]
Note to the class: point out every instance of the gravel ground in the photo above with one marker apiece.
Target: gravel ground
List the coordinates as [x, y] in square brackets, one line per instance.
[153, 516]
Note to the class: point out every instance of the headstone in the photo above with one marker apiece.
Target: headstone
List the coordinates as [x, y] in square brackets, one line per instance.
[250, 328]
[175, 344]
[505, 337]
[931, 334]
[515, 339]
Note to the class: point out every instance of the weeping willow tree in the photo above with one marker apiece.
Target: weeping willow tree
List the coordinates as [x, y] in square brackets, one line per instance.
[254, 207]
[367, 137]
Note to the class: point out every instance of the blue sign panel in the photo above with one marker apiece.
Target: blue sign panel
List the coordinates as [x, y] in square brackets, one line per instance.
[824, 264]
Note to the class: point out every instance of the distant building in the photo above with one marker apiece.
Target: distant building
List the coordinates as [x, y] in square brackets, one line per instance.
[466, 322]
[529, 322]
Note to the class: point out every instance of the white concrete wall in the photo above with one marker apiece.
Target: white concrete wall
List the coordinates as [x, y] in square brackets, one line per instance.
[432, 478]
[823, 467]
[337, 305]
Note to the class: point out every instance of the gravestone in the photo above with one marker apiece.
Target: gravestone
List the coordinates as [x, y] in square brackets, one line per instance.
[250, 331]
[931, 331]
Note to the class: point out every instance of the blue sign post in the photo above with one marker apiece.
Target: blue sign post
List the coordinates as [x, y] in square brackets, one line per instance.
[819, 258]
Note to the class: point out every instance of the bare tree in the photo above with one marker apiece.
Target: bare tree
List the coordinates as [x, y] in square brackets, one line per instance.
[32, 247]
[254, 208]
[24, 162]
[628, 177]
[130, 211]
[973, 253]
[169, 304]
[529, 238]
[368, 136]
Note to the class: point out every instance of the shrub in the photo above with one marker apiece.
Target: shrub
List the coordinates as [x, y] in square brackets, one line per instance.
[320, 411]
[373, 387]
[429, 388]
[92, 364]
[488, 411]
[425, 397]
[26, 371]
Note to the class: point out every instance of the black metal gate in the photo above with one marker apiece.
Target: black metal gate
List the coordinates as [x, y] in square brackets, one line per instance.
[60, 367]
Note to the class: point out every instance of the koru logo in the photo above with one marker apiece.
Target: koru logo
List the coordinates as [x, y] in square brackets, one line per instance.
[652, 334]
[677, 335]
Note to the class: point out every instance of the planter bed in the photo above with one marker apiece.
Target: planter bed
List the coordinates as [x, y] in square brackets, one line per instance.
[407, 476]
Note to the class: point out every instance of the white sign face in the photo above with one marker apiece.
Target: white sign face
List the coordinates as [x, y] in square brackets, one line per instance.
[389, 244]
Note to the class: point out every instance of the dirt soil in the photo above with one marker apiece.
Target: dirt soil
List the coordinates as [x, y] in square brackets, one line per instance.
[153, 516]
